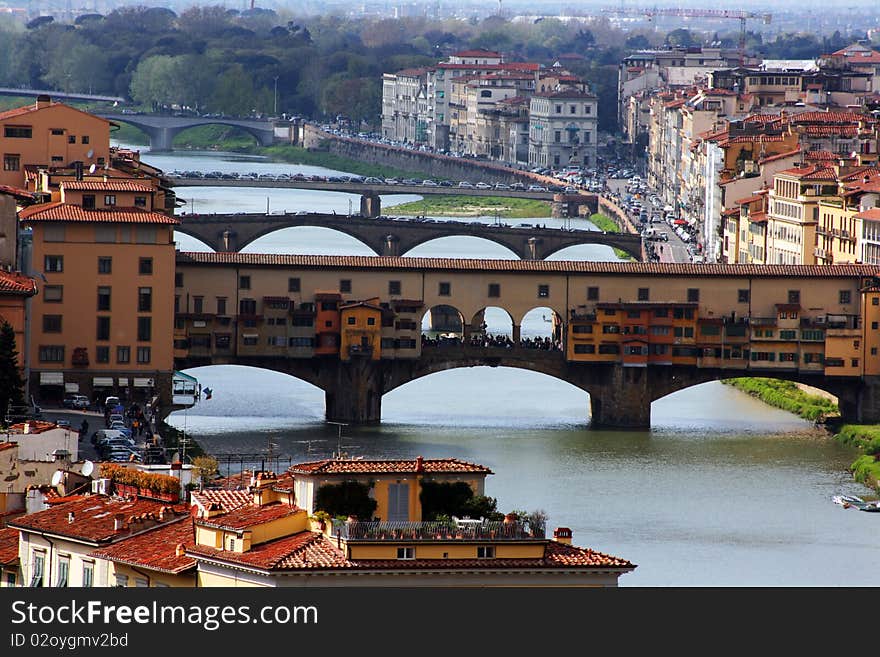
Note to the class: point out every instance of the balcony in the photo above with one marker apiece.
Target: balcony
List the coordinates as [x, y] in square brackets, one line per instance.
[360, 350]
[763, 321]
[457, 530]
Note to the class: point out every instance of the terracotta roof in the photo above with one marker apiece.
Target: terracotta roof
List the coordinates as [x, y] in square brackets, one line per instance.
[512, 66]
[872, 215]
[250, 515]
[830, 130]
[27, 109]
[241, 481]
[779, 156]
[7, 445]
[525, 266]
[227, 499]
[114, 185]
[17, 192]
[34, 426]
[17, 283]
[313, 551]
[812, 172]
[8, 546]
[155, 550]
[827, 117]
[69, 212]
[94, 518]
[821, 155]
[566, 93]
[758, 217]
[477, 52]
[384, 466]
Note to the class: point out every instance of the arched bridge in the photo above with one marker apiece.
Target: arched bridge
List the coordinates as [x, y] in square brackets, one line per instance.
[232, 232]
[162, 129]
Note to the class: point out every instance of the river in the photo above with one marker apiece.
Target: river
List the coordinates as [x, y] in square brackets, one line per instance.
[722, 491]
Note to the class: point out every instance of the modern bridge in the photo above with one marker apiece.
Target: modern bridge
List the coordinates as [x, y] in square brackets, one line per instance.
[162, 129]
[626, 333]
[394, 237]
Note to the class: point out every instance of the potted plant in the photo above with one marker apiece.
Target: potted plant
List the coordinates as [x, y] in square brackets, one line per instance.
[322, 518]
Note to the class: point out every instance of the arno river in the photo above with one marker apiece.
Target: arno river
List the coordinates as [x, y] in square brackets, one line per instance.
[722, 491]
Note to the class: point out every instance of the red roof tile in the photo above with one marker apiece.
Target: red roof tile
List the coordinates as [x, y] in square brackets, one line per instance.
[250, 515]
[69, 212]
[872, 215]
[16, 283]
[16, 192]
[114, 185]
[27, 109]
[227, 499]
[156, 549]
[33, 426]
[477, 52]
[526, 266]
[812, 172]
[779, 156]
[8, 546]
[304, 550]
[821, 155]
[383, 466]
[93, 518]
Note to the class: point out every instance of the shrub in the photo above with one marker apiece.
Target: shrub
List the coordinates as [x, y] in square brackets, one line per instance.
[349, 498]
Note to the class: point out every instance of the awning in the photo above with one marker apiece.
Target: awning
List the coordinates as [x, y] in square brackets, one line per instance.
[102, 381]
[680, 222]
[51, 378]
[71, 387]
[143, 383]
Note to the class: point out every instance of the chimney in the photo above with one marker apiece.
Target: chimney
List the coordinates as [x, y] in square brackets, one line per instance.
[420, 464]
[118, 522]
[180, 550]
[71, 517]
[43, 101]
[562, 535]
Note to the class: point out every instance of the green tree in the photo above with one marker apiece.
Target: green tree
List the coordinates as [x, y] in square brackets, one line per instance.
[11, 383]
[349, 498]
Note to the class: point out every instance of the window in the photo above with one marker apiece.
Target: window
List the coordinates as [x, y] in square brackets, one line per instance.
[494, 289]
[104, 298]
[293, 285]
[794, 296]
[102, 354]
[788, 335]
[140, 201]
[145, 300]
[123, 354]
[592, 294]
[244, 282]
[485, 552]
[88, 202]
[85, 139]
[844, 297]
[557, 136]
[854, 362]
[71, 139]
[221, 305]
[17, 132]
[37, 573]
[345, 285]
[742, 296]
[51, 323]
[247, 307]
[145, 266]
[693, 295]
[444, 289]
[11, 162]
[121, 581]
[178, 279]
[110, 199]
[53, 263]
[145, 329]
[351, 321]
[572, 109]
[406, 553]
[63, 571]
[371, 321]
[10, 580]
[559, 109]
[543, 291]
[394, 287]
[103, 329]
[875, 301]
[585, 349]
[143, 355]
[644, 294]
[141, 582]
[105, 265]
[53, 293]
[52, 353]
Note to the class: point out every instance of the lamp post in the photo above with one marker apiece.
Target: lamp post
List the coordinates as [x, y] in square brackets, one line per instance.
[275, 106]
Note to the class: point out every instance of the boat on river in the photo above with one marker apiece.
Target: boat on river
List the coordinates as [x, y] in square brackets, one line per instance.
[851, 501]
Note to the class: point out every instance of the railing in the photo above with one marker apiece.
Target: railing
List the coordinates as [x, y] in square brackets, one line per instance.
[467, 530]
[360, 350]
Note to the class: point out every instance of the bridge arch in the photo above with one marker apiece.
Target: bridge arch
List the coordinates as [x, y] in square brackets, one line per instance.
[542, 322]
[462, 249]
[554, 252]
[163, 129]
[492, 320]
[219, 123]
[344, 242]
[443, 319]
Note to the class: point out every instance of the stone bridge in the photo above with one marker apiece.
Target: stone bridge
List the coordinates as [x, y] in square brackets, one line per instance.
[620, 396]
[162, 129]
[230, 233]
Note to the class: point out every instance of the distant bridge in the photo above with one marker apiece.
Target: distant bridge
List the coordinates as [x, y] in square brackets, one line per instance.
[162, 129]
[61, 95]
[232, 232]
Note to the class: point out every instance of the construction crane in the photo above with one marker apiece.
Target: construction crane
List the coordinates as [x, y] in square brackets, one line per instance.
[739, 14]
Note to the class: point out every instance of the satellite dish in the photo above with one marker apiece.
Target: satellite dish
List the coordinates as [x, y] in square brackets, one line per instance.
[90, 153]
[57, 477]
[92, 168]
[88, 468]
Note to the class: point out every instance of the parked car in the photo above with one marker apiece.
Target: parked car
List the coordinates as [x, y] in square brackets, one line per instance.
[537, 188]
[482, 185]
[75, 401]
[464, 184]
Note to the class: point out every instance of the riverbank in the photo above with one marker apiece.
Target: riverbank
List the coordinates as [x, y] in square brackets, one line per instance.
[482, 206]
[866, 437]
[606, 223]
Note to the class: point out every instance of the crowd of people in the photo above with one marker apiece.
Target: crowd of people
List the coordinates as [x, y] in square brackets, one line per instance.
[489, 341]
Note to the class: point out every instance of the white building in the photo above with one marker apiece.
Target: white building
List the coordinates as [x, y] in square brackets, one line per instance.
[563, 128]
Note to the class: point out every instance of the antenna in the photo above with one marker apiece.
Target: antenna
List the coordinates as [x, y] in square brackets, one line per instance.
[339, 438]
[88, 468]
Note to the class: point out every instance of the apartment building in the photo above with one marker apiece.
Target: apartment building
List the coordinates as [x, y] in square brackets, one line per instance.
[563, 128]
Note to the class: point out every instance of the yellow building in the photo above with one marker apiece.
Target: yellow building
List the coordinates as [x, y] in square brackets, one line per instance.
[361, 327]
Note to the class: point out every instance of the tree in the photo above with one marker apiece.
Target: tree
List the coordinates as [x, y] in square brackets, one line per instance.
[11, 383]
[206, 468]
[349, 498]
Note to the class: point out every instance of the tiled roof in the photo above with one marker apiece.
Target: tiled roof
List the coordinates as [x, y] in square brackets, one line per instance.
[155, 550]
[16, 283]
[227, 499]
[7, 445]
[242, 480]
[69, 212]
[758, 217]
[821, 155]
[383, 466]
[525, 266]
[872, 215]
[812, 172]
[27, 109]
[313, 551]
[8, 546]
[779, 156]
[477, 52]
[16, 191]
[93, 518]
[828, 117]
[566, 93]
[250, 515]
[34, 426]
[830, 130]
[114, 185]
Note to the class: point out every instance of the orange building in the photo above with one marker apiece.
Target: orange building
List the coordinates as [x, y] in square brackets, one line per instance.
[15, 289]
[361, 326]
[104, 319]
[52, 135]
